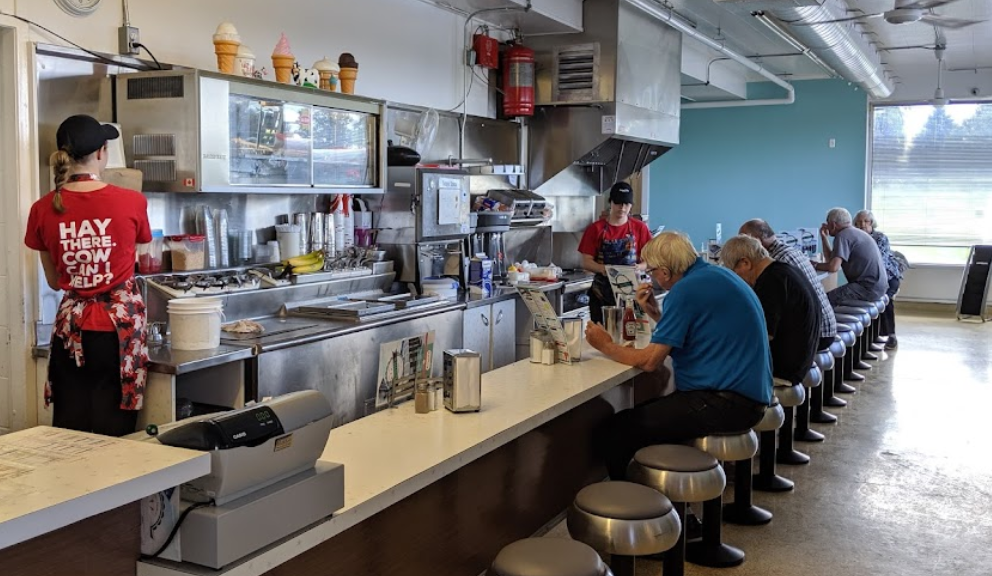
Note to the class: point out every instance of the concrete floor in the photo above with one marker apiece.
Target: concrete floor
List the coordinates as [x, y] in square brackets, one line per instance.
[902, 486]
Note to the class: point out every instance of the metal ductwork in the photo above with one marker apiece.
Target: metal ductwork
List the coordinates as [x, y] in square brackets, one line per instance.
[842, 46]
[607, 100]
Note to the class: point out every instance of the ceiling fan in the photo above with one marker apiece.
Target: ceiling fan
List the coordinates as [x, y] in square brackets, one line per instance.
[904, 12]
[938, 94]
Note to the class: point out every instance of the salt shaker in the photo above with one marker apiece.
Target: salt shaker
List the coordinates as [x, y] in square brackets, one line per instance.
[548, 355]
[421, 400]
[438, 396]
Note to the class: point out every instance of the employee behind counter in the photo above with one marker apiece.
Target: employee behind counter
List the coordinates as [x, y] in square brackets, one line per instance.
[616, 240]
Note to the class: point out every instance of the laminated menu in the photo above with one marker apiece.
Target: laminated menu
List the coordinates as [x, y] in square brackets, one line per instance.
[546, 319]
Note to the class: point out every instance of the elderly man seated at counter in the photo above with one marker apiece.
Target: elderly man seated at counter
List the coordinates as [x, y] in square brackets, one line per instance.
[792, 312]
[856, 253]
[714, 330]
[779, 250]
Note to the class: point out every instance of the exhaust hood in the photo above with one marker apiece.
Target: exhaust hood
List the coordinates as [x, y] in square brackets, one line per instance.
[607, 100]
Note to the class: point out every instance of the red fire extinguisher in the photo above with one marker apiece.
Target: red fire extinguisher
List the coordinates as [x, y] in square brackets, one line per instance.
[518, 81]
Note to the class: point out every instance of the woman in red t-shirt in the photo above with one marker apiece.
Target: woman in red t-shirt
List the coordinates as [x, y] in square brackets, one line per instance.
[86, 233]
[617, 240]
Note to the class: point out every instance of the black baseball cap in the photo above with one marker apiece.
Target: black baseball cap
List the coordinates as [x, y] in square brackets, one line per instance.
[82, 135]
[622, 193]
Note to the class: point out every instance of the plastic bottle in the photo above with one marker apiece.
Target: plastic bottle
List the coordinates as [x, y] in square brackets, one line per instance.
[629, 333]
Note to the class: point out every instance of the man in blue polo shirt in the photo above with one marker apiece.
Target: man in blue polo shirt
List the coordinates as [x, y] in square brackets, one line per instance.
[714, 330]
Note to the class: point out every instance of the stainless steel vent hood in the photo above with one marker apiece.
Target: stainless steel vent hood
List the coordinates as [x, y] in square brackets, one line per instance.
[607, 100]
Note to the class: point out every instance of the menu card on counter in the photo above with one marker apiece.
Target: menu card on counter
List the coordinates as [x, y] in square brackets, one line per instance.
[624, 281]
[546, 319]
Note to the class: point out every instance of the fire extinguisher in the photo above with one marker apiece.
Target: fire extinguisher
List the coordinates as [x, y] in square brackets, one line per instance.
[518, 81]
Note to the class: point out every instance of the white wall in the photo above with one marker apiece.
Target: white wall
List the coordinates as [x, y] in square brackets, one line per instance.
[407, 51]
[920, 84]
[932, 283]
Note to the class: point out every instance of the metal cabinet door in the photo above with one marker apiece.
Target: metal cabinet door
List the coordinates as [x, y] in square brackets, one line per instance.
[504, 328]
[476, 328]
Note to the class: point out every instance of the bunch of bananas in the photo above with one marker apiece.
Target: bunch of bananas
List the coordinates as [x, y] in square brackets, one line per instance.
[312, 262]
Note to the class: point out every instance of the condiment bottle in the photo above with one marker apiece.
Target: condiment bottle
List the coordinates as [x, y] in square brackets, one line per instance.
[629, 332]
[421, 400]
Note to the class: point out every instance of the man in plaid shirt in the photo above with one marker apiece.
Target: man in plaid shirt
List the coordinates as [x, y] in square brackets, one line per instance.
[778, 250]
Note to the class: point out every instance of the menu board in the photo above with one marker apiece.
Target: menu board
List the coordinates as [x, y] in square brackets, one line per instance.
[546, 319]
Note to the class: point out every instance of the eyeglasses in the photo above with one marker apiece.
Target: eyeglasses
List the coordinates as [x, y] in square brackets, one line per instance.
[653, 270]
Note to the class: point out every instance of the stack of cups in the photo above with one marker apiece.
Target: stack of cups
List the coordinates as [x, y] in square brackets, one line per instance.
[316, 231]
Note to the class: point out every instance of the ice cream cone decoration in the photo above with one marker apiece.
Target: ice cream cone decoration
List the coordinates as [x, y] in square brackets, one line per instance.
[283, 60]
[226, 43]
[328, 70]
[349, 72]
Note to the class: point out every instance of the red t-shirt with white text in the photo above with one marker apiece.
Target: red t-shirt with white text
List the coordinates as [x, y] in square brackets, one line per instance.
[93, 242]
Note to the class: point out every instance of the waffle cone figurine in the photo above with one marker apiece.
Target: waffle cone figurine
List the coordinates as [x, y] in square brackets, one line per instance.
[349, 72]
[226, 44]
[283, 60]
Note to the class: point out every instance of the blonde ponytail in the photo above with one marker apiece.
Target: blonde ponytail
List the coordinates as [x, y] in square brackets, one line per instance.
[61, 162]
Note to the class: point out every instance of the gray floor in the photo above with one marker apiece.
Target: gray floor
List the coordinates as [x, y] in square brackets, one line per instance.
[903, 483]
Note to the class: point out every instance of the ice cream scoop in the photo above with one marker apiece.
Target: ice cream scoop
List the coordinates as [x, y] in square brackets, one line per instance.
[283, 60]
[226, 44]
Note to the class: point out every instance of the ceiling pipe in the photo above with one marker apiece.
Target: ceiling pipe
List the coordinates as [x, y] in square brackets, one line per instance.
[841, 46]
[654, 10]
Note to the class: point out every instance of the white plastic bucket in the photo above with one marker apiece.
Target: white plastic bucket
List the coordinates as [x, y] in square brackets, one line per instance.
[195, 325]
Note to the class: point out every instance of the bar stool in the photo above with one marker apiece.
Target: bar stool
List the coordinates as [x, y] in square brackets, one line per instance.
[624, 520]
[683, 474]
[874, 309]
[803, 433]
[548, 557]
[849, 328]
[830, 385]
[739, 449]
[766, 480]
[824, 360]
[789, 396]
[864, 315]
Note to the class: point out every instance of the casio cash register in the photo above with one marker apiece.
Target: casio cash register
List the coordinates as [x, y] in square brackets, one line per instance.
[265, 480]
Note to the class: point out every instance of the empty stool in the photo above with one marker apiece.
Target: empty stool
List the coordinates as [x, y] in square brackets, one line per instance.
[624, 520]
[683, 474]
[849, 328]
[789, 396]
[874, 309]
[830, 385]
[766, 480]
[803, 432]
[739, 449]
[824, 360]
[548, 557]
[864, 315]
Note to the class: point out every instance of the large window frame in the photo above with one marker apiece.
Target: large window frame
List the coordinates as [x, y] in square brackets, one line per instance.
[942, 231]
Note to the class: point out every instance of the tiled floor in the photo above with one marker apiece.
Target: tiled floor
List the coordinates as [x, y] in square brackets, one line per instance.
[902, 486]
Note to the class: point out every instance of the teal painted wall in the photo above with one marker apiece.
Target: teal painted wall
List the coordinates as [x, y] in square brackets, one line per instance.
[771, 162]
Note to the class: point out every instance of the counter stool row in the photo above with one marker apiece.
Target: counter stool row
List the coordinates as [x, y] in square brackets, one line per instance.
[646, 516]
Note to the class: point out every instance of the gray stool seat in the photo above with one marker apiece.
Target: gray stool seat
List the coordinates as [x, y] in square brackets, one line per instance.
[548, 557]
[870, 307]
[813, 378]
[773, 418]
[682, 473]
[838, 348]
[860, 313]
[824, 359]
[729, 447]
[847, 334]
[789, 395]
[623, 518]
[851, 323]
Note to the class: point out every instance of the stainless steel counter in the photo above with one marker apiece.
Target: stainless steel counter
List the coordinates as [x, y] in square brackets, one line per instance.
[502, 294]
[165, 360]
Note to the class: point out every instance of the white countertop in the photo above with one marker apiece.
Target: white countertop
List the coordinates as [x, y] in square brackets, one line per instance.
[393, 454]
[50, 478]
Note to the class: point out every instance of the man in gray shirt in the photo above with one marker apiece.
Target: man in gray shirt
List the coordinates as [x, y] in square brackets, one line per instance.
[857, 254]
[782, 252]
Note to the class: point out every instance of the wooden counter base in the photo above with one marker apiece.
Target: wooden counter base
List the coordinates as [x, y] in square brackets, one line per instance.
[107, 544]
[456, 525]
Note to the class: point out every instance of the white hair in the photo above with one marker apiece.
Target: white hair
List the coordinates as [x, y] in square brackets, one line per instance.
[839, 216]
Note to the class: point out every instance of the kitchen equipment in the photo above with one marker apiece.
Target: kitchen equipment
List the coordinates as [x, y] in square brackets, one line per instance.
[195, 131]
[493, 221]
[263, 465]
[526, 207]
[613, 322]
[439, 199]
[150, 254]
[187, 251]
[497, 252]
[462, 380]
[401, 156]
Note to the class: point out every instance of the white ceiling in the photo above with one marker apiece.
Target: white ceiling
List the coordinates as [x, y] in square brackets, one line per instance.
[969, 50]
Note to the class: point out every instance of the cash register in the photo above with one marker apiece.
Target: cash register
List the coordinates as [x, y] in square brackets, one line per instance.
[265, 483]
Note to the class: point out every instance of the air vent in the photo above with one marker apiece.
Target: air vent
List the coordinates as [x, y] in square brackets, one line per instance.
[155, 145]
[155, 87]
[157, 170]
[577, 73]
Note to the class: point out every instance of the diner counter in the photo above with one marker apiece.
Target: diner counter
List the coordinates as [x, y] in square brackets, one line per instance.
[394, 453]
[50, 478]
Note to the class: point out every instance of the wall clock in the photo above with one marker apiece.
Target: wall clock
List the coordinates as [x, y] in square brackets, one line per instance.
[78, 7]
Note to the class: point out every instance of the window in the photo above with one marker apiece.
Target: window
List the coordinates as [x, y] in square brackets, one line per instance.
[931, 179]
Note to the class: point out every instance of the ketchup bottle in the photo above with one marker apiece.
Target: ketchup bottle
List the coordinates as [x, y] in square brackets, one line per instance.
[629, 333]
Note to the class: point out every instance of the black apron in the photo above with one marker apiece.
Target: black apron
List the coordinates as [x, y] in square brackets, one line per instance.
[619, 252]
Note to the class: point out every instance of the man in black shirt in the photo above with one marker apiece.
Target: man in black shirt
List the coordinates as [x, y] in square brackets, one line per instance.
[792, 311]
